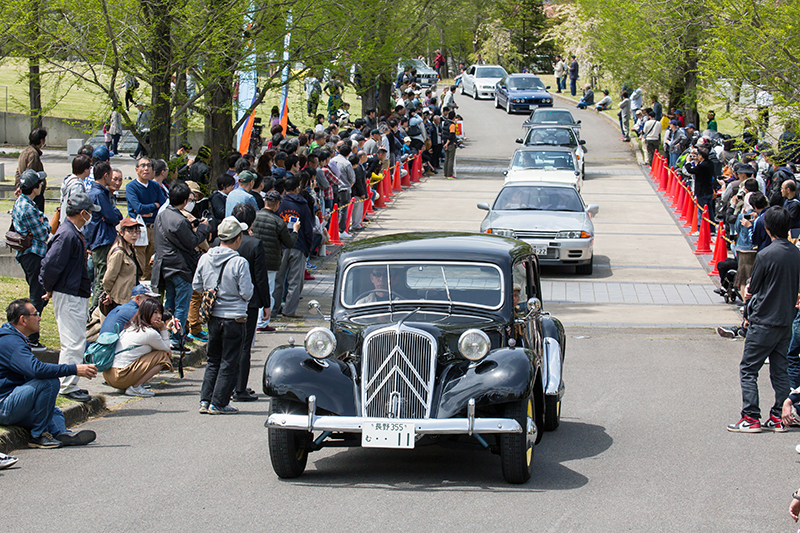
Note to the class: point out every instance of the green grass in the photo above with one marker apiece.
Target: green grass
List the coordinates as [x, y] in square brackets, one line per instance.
[74, 99]
[13, 288]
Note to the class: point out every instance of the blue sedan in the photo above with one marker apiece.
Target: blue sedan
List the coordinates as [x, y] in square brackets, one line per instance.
[521, 92]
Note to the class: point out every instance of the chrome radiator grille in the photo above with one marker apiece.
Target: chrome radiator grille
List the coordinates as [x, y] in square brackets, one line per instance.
[397, 373]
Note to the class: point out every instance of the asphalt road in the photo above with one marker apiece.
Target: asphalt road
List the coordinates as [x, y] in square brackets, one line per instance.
[642, 445]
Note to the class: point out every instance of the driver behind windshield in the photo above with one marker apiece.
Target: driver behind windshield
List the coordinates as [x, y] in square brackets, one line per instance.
[380, 293]
[515, 201]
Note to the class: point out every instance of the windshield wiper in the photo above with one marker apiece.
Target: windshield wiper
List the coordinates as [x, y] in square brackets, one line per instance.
[447, 290]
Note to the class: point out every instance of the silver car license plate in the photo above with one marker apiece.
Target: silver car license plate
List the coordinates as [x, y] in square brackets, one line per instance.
[387, 433]
[540, 250]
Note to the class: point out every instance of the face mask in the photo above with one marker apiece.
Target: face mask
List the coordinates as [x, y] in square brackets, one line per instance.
[85, 220]
[189, 206]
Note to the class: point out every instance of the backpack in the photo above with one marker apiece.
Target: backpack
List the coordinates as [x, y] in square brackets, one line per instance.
[101, 352]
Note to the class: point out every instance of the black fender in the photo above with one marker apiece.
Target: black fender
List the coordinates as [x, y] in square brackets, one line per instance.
[292, 374]
[552, 327]
[504, 375]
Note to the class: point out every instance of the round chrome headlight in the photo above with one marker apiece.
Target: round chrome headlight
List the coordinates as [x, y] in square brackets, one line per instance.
[320, 342]
[474, 344]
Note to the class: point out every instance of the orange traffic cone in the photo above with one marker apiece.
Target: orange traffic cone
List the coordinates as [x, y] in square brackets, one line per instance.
[668, 191]
[662, 178]
[349, 214]
[654, 165]
[704, 240]
[679, 193]
[368, 206]
[379, 203]
[387, 185]
[333, 227]
[686, 215]
[720, 250]
[406, 180]
[396, 186]
[693, 229]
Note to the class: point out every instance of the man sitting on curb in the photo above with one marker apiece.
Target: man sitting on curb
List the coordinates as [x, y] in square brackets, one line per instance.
[28, 387]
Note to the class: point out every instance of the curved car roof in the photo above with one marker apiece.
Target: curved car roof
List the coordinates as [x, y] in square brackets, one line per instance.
[559, 184]
[443, 246]
[544, 148]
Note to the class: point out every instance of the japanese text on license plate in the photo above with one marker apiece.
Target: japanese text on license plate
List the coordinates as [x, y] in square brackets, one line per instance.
[387, 434]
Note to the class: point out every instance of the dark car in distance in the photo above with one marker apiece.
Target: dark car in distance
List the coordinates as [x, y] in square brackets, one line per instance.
[521, 92]
[433, 337]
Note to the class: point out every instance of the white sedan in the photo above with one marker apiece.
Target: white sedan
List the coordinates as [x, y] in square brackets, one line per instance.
[555, 165]
[479, 80]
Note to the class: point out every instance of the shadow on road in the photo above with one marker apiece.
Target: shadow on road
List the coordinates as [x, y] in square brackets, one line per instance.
[459, 465]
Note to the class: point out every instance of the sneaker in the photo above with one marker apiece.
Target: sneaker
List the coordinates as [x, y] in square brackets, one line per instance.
[265, 329]
[307, 276]
[773, 423]
[227, 410]
[45, 440]
[200, 337]
[77, 396]
[727, 333]
[80, 438]
[345, 235]
[37, 347]
[245, 396]
[203, 408]
[139, 391]
[6, 461]
[746, 425]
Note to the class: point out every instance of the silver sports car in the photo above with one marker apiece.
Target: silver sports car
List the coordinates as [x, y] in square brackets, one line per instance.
[551, 217]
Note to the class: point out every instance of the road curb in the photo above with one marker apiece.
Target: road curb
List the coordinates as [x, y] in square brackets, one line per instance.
[16, 437]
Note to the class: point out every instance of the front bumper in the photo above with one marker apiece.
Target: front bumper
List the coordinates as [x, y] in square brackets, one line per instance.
[563, 251]
[430, 426]
[485, 93]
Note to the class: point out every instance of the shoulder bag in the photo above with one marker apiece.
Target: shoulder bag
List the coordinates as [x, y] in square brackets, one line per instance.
[209, 297]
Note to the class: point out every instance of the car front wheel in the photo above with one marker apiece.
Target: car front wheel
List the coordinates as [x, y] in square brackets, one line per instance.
[516, 449]
[288, 448]
[552, 413]
[474, 93]
[496, 101]
[508, 106]
[585, 270]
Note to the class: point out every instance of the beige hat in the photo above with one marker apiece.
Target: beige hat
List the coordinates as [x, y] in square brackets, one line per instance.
[194, 187]
[230, 228]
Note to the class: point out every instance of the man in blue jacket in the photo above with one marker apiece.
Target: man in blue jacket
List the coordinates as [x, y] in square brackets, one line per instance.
[293, 208]
[66, 280]
[28, 387]
[145, 196]
[101, 231]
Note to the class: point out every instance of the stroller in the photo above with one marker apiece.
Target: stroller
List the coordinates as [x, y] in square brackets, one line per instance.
[738, 277]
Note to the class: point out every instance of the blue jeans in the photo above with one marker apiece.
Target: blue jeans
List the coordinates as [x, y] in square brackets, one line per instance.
[794, 353]
[179, 296]
[673, 158]
[33, 406]
[573, 86]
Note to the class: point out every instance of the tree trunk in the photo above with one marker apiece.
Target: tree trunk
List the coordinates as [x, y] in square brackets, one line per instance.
[369, 96]
[180, 133]
[160, 58]
[384, 97]
[218, 123]
[35, 91]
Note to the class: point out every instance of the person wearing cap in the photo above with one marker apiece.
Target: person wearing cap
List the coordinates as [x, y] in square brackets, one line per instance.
[119, 317]
[100, 233]
[74, 183]
[30, 158]
[145, 196]
[293, 263]
[27, 219]
[123, 270]
[692, 134]
[177, 255]
[274, 234]
[28, 387]
[712, 121]
[227, 325]
[588, 97]
[604, 103]
[66, 281]
[242, 193]
[416, 130]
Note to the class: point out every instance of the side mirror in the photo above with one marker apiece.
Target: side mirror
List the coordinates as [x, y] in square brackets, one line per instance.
[582, 141]
[519, 141]
[534, 305]
[578, 122]
[484, 206]
[505, 173]
[314, 305]
[593, 209]
[547, 87]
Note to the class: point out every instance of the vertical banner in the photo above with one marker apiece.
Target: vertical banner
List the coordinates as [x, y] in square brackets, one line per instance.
[285, 75]
[248, 81]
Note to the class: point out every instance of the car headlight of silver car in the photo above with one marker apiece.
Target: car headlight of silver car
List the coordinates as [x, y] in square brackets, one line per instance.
[573, 235]
[320, 342]
[474, 344]
[503, 232]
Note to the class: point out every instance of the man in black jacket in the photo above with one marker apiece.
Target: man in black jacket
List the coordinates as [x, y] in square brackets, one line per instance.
[176, 254]
[273, 233]
[66, 280]
[253, 250]
[771, 307]
[703, 172]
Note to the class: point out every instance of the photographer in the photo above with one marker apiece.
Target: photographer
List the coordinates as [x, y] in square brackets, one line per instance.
[702, 170]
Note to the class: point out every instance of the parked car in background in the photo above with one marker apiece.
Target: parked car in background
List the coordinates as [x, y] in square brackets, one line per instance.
[426, 76]
[432, 337]
[562, 136]
[551, 217]
[553, 164]
[479, 81]
[521, 92]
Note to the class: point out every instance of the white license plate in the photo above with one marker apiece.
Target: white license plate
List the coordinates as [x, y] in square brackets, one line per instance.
[540, 250]
[387, 433]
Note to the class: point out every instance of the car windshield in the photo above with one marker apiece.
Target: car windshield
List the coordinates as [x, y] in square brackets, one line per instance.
[525, 83]
[551, 136]
[376, 283]
[538, 198]
[552, 117]
[490, 72]
[561, 160]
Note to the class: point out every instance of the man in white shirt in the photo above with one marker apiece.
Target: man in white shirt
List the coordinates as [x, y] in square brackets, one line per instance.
[652, 136]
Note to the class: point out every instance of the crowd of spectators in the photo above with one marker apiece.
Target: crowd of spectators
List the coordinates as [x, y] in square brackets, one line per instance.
[249, 242]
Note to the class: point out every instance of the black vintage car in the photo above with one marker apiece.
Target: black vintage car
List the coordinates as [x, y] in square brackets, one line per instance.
[432, 336]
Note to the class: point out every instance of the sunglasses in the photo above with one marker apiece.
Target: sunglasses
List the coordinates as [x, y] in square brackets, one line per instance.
[379, 273]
